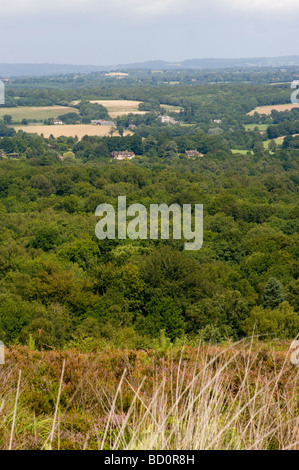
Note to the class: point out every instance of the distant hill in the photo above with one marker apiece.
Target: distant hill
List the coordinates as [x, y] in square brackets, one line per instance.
[196, 64]
[20, 70]
[17, 70]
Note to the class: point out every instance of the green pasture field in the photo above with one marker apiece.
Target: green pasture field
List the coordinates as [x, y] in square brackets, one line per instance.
[251, 127]
[36, 113]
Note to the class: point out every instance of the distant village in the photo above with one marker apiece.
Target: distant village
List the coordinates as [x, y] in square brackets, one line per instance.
[125, 155]
[95, 122]
[115, 155]
[101, 122]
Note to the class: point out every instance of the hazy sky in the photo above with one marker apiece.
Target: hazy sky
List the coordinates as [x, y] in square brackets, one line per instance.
[106, 32]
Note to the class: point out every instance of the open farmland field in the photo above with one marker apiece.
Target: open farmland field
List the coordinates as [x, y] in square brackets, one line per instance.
[79, 130]
[278, 140]
[118, 107]
[278, 107]
[173, 109]
[251, 127]
[32, 112]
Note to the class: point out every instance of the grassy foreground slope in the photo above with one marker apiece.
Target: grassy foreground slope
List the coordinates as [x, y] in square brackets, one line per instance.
[238, 396]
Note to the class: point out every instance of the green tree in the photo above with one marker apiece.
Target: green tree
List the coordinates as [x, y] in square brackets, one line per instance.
[120, 130]
[170, 149]
[15, 314]
[258, 148]
[163, 314]
[69, 156]
[90, 328]
[282, 322]
[50, 327]
[272, 145]
[273, 295]
[7, 118]
[46, 237]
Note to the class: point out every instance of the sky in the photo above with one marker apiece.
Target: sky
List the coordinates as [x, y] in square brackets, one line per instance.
[109, 32]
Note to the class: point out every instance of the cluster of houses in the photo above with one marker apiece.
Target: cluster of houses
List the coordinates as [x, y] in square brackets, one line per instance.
[3, 154]
[102, 122]
[125, 155]
[167, 120]
[193, 153]
[116, 155]
[122, 155]
[95, 122]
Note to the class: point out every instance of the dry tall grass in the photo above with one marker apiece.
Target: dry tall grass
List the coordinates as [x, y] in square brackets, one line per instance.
[234, 397]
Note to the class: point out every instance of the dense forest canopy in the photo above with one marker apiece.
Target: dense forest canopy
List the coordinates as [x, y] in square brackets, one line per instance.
[59, 284]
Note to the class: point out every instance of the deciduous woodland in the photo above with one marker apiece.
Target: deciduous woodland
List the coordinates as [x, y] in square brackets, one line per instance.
[108, 330]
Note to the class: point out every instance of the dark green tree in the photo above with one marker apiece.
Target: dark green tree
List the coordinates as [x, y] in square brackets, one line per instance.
[7, 118]
[163, 314]
[273, 295]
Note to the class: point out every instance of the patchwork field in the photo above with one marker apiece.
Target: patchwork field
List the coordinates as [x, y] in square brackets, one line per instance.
[173, 109]
[278, 140]
[79, 130]
[278, 107]
[31, 112]
[118, 107]
[122, 107]
[251, 127]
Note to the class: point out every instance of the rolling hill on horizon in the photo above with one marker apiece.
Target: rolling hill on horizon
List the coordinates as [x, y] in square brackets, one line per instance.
[18, 70]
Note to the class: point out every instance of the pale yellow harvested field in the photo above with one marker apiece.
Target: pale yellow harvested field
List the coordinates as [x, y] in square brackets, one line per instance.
[79, 130]
[118, 107]
[278, 107]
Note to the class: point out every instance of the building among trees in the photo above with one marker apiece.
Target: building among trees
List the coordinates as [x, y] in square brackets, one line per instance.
[122, 155]
[102, 122]
[193, 153]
